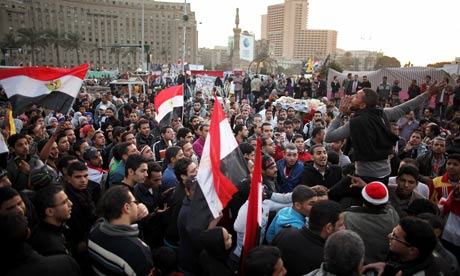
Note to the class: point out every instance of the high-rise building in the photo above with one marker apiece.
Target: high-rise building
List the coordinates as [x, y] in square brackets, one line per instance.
[111, 30]
[285, 27]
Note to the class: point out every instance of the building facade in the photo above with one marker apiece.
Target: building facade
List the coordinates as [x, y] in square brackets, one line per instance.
[285, 27]
[111, 31]
[357, 60]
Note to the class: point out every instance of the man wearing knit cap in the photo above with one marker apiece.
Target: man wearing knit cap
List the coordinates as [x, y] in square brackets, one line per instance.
[373, 221]
[269, 175]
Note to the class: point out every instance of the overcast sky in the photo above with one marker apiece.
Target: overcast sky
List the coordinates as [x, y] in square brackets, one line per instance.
[420, 31]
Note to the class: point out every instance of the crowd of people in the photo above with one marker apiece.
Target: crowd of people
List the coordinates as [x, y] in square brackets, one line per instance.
[351, 188]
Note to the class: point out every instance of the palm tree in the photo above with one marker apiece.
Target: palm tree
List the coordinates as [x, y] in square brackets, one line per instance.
[74, 41]
[31, 38]
[9, 43]
[56, 39]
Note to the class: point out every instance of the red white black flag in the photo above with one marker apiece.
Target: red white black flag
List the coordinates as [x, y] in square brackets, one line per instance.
[168, 105]
[52, 88]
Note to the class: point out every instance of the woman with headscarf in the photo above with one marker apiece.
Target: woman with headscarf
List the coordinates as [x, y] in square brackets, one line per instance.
[214, 259]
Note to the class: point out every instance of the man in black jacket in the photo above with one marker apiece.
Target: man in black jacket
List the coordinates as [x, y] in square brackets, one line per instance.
[18, 258]
[114, 246]
[83, 212]
[53, 208]
[433, 163]
[319, 171]
[303, 248]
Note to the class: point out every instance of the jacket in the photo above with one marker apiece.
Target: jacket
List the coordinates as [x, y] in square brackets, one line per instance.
[288, 183]
[286, 217]
[302, 250]
[440, 187]
[82, 218]
[26, 261]
[378, 142]
[373, 226]
[117, 250]
[49, 239]
[312, 177]
[426, 167]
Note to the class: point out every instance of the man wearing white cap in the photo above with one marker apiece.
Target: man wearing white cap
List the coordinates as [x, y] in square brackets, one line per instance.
[373, 221]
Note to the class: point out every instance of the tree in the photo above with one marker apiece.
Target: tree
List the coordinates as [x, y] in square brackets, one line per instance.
[332, 65]
[33, 39]
[56, 39]
[74, 41]
[9, 42]
[438, 64]
[387, 62]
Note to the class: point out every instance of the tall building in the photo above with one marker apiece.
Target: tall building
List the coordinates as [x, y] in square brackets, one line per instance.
[285, 27]
[110, 30]
[215, 59]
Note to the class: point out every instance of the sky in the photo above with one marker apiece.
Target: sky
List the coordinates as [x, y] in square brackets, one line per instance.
[419, 31]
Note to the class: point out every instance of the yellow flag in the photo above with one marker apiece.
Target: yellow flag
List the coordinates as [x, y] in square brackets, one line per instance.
[9, 113]
[310, 66]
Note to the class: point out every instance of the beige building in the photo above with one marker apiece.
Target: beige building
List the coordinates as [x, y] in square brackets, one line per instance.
[357, 60]
[111, 30]
[285, 27]
[215, 59]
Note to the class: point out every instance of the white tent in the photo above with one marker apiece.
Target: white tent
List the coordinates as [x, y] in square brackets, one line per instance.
[404, 75]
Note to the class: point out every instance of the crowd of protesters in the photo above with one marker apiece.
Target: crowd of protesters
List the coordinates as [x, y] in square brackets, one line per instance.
[348, 189]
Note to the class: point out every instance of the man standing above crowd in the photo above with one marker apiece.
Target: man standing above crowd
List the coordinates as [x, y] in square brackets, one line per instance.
[372, 148]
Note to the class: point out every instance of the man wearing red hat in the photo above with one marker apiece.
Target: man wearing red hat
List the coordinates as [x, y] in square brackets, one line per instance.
[373, 221]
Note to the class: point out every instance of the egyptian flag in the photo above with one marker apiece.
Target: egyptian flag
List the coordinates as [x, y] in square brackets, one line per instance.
[220, 174]
[168, 105]
[52, 88]
[254, 216]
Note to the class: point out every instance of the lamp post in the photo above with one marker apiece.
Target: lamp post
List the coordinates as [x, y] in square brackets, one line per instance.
[142, 35]
[184, 18]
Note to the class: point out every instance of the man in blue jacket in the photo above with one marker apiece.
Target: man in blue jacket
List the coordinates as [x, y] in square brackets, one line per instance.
[289, 169]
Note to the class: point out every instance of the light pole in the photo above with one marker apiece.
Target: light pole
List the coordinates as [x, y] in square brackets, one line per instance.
[184, 18]
[142, 35]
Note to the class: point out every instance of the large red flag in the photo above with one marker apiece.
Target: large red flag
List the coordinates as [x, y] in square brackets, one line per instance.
[254, 216]
[216, 187]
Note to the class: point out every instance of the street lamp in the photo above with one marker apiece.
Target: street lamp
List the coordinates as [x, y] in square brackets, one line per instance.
[142, 36]
[185, 19]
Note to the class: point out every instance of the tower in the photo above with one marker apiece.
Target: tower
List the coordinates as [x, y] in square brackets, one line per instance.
[236, 42]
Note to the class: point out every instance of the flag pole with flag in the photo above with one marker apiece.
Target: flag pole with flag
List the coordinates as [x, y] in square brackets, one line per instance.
[220, 174]
[254, 216]
[52, 88]
[168, 105]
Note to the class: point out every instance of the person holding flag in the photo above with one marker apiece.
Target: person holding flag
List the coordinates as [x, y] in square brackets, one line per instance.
[220, 174]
